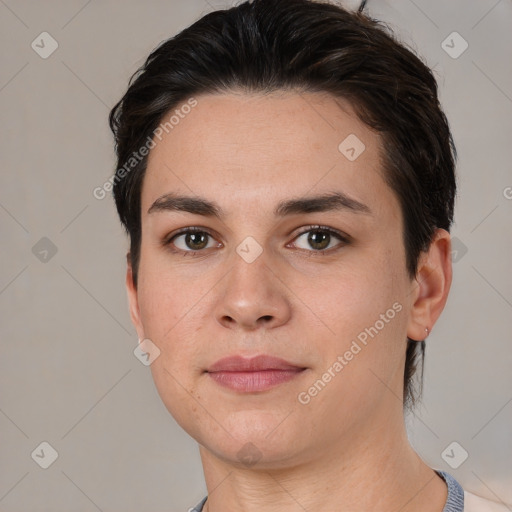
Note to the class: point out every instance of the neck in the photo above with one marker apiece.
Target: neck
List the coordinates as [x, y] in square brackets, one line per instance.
[372, 469]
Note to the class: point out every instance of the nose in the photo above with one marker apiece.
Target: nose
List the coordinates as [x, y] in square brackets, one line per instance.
[252, 296]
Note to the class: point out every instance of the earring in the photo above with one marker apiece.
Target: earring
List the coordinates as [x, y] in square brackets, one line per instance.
[427, 331]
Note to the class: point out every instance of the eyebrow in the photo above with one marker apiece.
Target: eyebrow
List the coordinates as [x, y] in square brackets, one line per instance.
[333, 201]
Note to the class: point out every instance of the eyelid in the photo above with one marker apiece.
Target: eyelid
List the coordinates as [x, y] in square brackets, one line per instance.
[318, 227]
[189, 229]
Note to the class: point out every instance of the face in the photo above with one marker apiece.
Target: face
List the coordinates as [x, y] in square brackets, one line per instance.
[297, 254]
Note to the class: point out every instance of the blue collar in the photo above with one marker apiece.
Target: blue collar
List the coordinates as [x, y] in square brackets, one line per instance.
[455, 499]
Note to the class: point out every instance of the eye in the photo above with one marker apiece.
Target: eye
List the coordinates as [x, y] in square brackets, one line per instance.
[190, 241]
[320, 238]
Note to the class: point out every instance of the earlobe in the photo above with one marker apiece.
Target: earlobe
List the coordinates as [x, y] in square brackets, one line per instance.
[133, 301]
[433, 281]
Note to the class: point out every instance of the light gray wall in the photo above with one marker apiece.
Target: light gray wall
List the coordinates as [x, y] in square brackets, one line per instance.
[68, 375]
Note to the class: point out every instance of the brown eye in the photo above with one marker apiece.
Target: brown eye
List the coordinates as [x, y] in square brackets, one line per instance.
[189, 241]
[320, 239]
[196, 241]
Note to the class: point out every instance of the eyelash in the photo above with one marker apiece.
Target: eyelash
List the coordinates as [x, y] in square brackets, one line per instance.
[343, 238]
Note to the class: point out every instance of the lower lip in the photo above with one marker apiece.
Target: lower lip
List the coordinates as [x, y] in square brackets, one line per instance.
[248, 382]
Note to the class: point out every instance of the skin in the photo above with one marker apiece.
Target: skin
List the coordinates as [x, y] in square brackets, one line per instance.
[347, 449]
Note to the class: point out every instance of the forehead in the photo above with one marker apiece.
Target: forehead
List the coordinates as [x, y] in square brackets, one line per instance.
[244, 149]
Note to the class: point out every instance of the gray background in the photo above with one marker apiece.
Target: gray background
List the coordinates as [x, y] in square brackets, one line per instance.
[68, 374]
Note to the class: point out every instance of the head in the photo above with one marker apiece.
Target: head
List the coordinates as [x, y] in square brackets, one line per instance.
[251, 125]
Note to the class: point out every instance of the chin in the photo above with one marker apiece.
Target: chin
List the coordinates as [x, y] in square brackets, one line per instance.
[254, 455]
[254, 439]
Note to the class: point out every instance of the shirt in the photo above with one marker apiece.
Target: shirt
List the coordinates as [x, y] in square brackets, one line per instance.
[458, 499]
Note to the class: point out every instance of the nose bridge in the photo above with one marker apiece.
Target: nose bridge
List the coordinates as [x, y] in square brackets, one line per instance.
[251, 294]
[249, 277]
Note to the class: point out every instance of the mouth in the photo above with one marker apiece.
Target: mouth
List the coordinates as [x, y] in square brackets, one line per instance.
[249, 375]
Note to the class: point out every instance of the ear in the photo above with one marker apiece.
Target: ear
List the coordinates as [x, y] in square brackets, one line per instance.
[133, 300]
[433, 281]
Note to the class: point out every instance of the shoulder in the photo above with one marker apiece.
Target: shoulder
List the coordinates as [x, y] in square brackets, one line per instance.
[461, 500]
[474, 503]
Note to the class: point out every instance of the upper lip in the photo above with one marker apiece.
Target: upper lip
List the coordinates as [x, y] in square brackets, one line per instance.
[252, 364]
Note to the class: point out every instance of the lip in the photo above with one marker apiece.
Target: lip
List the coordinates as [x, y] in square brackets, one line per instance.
[251, 364]
[258, 373]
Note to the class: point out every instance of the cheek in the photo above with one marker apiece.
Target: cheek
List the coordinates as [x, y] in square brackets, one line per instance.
[347, 299]
[362, 355]
[167, 313]
[363, 306]
[163, 314]
[165, 298]
[174, 312]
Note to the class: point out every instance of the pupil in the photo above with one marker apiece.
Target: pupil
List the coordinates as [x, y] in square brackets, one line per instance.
[196, 239]
[317, 238]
